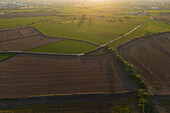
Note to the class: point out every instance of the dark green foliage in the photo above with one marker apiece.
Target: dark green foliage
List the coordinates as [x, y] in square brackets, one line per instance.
[143, 98]
[4, 56]
[130, 70]
[144, 101]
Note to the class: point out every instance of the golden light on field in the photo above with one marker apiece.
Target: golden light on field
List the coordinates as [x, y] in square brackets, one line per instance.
[98, 0]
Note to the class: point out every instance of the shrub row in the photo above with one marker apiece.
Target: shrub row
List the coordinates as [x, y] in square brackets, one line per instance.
[144, 101]
[143, 98]
[130, 70]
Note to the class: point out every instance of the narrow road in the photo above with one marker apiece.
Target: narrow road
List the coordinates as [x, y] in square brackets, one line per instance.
[81, 54]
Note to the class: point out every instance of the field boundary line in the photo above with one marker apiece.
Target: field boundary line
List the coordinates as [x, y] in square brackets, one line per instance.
[80, 54]
[12, 28]
[65, 38]
[101, 46]
[19, 38]
[41, 53]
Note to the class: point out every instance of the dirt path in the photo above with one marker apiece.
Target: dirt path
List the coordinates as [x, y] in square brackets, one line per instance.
[6, 40]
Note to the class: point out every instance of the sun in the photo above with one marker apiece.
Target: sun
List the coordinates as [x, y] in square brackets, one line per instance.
[97, 0]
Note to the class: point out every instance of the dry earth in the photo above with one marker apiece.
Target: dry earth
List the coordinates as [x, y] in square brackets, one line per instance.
[163, 17]
[23, 38]
[151, 56]
[29, 14]
[33, 75]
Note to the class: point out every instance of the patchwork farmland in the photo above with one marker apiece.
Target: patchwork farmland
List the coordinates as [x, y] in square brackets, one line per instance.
[84, 58]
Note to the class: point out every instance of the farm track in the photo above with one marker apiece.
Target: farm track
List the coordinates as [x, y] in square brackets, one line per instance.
[101, 46]
[151, 56]
[81, 54]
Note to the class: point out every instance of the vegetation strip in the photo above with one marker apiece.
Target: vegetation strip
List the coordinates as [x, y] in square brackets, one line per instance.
[144, 100]
[120, 36]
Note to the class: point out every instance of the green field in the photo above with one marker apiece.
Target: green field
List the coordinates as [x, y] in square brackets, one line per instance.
[80, 24]
[66, 47]
[100, 25]
[23, 21]
[99, 31]
[148, 28]
[4, 56]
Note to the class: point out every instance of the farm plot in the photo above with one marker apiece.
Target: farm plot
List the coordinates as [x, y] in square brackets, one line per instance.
[162, 103]
[147, 28]
[151, 56]
[28, 14]
[65, 47]
[97, 30]
[15, 33]
[34, 75]
[22, 38]
[162, 17]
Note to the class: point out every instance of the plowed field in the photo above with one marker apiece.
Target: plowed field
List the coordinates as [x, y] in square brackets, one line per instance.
[151, 56]
[33, 75]
[23, 38]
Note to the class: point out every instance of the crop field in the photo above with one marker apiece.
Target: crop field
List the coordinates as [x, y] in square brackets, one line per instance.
[23, 21]
[163, 17]
[65, 47]
[30, 14]
[162, 103]
[34, 75]
[4, 56]
[90, 24]
[151, 57]
[58, 58]
[98, 30]
[23, 38]
[146, 29]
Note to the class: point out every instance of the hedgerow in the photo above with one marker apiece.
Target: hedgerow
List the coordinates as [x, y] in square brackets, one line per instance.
[143, 98]
[144, 101]
[130, 70]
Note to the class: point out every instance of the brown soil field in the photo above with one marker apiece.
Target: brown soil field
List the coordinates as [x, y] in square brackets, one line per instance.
[162, 17]
[32, 75]
[28, 14]
[162, 103]
[15, 33]
[22, 38]
[151, 57]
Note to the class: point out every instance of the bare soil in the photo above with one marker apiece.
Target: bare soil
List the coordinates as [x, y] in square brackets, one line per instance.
[151, 56]
[162, 103]
[22, 38]
[28, 14]
[163, 17]
[33, 75]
